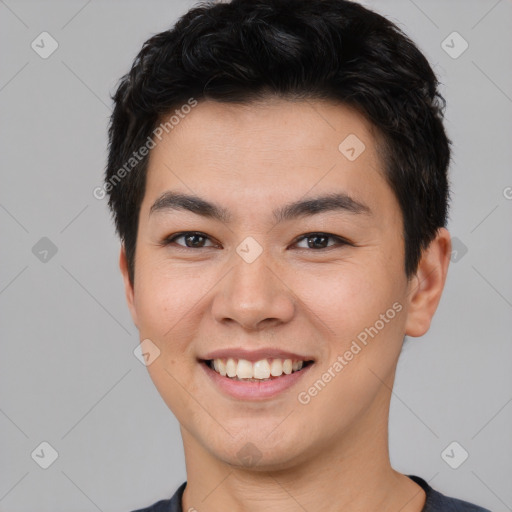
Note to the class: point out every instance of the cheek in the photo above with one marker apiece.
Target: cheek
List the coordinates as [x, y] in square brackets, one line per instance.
[346, 298]
[165, 296]
[361, 315]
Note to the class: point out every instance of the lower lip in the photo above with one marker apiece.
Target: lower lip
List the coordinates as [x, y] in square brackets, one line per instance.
[245, 390]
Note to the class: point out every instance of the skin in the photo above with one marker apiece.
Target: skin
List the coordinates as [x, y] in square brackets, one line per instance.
[188, 301]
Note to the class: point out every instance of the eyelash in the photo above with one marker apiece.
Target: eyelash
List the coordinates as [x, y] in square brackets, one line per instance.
[341, 241]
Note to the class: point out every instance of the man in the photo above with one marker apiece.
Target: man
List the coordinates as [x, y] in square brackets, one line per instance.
[278, 177]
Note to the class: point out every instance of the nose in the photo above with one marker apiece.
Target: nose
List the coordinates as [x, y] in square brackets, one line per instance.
[254, 296]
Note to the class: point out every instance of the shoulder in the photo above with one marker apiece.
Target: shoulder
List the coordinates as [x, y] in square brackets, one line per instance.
[173, 504]
[438, 502]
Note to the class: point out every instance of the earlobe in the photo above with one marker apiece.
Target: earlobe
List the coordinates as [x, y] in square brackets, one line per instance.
[128, 287]
[426, 287]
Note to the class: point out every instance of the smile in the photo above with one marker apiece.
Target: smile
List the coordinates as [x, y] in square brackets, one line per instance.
[261, 379]
[264, 369]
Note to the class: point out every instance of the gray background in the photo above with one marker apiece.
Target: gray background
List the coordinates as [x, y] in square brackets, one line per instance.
[68, 373]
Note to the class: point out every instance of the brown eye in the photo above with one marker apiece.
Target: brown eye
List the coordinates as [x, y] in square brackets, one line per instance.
[320, 240]
[193, 240]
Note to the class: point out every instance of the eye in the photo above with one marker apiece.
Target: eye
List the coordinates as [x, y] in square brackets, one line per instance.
[319, 240]
[197, 240]
[193, 239]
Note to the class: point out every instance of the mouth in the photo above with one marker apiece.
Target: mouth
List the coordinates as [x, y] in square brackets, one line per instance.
[249, 380]
[258, 371]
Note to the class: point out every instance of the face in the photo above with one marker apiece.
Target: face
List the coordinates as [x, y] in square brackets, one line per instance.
[291, 248]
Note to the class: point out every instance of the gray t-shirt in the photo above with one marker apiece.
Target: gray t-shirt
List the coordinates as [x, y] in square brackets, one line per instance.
[435, 502]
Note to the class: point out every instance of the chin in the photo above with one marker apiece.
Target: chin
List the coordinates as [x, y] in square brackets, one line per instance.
[259, 453]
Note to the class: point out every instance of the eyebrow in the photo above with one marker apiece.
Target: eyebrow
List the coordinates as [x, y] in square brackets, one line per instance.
[334, 202]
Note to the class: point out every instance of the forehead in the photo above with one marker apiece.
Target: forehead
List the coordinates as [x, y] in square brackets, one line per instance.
[275, 151]
[275, 124]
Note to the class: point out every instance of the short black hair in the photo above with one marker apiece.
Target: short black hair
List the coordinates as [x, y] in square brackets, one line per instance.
[248, 50]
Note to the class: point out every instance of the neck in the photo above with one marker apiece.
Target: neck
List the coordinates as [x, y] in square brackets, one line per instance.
[352, 471]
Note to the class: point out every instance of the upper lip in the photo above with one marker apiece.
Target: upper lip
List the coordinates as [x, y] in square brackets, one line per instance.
[254, 355]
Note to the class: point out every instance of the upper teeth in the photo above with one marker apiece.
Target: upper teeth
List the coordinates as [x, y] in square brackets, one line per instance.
[261, 369]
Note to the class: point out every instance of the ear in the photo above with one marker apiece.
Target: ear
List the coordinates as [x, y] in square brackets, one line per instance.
[128, 287]
[426, 286]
